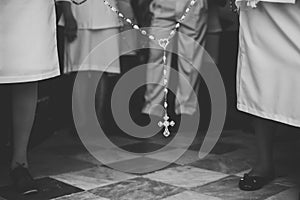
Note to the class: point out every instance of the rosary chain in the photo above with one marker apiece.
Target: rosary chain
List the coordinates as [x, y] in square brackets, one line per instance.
[163, 42]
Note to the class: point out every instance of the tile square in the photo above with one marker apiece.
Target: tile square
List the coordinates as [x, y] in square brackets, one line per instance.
[142, 147]
[140, 165]
[227, 189]
[122, 141]
[93, 178]
[81, 196]
[188, 157]
[185, 176]
[168, 156]
[106, 156]
[219, 148]
[285, 181]
[42, 165]
[87, 157]
[290, 194]
[49, 188]
[189, 195]
[138, 188]
[59, 141]
[231, 163]
[184, 140]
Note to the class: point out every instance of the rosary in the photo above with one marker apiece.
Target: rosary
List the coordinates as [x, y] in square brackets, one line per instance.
[163, 43]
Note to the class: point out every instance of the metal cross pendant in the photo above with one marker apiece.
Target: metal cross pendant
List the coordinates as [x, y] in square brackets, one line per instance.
[166, 124]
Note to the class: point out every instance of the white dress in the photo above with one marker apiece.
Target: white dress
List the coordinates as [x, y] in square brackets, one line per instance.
[268, 76]
[28, 50]
[93, 49]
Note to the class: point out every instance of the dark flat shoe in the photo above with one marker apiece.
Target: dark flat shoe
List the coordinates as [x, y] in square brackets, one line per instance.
[252, 183]
[23, 181]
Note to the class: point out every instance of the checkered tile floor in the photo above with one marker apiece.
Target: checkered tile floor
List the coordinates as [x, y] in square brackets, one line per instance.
[66, 171]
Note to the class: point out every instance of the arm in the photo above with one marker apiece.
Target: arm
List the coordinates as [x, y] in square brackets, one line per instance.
[141, 9]
[70, 21]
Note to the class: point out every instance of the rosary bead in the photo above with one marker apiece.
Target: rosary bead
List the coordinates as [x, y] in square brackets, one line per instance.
[136, 27]
[129, 21]
[164, 59]
[165, 81]
[143, 32]
[151, 37]
[172, 33]
[165, 72]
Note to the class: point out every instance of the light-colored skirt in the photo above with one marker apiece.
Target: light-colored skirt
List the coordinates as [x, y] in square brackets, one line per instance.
[28, 50]
[93, 50]
[268, 75]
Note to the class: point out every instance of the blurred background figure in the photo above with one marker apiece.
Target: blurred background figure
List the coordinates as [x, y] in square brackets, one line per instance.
[95, 23]
[165, 16]
[28, 54]
[214, 29]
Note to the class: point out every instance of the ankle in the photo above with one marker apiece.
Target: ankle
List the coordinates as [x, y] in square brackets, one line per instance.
[16, 164]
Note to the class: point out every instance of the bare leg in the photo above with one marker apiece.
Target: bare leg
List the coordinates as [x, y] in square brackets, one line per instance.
[264, 132]
[101, 99]
[89, 80]
[24, 102]
[81, 96]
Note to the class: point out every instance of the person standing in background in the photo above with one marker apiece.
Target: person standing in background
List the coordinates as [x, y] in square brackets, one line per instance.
[95, 24]
[28, 54]
[166, 14]
[268, 77]
[214, 29]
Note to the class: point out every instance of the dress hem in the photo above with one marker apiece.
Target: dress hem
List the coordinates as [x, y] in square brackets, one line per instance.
[29, 78]
[274, 117]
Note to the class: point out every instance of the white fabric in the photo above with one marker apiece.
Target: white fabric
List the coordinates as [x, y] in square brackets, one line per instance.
[131, 39]
[94, 14]
[253, 3]
[268, 82]
[93, 50]
[28, 50]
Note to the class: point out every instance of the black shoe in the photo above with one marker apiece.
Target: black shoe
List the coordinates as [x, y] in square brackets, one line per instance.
[252, 183]
[23, 181]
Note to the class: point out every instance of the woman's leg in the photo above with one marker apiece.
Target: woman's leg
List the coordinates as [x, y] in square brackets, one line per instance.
[89, 80]
[24, 102]
[264, 134]
[80, 93]
[101, 97]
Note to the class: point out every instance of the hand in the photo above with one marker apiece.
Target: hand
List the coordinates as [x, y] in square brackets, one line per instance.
[70, 27]
[70, 21]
